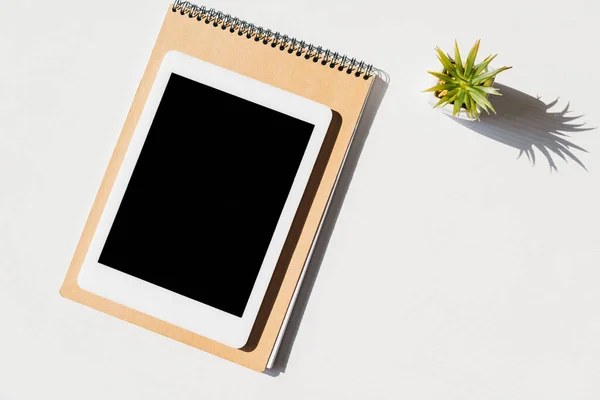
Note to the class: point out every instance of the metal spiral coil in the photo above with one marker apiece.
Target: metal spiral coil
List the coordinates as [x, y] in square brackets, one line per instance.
[276, 40]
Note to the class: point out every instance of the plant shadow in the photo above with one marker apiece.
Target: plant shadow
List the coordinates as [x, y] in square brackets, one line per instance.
[526, 123]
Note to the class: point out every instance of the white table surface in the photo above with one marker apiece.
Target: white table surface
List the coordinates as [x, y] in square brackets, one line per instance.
[454, 271]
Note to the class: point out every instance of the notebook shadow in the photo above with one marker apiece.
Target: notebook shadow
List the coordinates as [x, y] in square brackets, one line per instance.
[526, 123]
[362, 131]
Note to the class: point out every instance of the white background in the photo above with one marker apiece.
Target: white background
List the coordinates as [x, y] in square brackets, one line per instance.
[455, 271]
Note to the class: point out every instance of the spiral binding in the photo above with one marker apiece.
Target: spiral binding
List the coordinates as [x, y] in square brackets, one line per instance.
[275, 39]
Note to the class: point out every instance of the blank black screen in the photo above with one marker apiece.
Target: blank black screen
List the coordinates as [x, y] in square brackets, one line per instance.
[206, 194]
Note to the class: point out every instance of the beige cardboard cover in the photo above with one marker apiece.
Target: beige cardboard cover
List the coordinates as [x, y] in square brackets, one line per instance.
[344, 93]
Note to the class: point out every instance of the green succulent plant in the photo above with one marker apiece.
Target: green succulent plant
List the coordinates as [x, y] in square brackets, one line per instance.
[465, 85]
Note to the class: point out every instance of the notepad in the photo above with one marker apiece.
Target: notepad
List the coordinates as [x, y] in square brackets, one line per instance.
[213, 198]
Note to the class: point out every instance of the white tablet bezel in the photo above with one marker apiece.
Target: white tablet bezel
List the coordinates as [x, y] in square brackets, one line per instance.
[164, 304]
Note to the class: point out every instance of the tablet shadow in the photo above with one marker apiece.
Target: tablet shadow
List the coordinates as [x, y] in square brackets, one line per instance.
[294, 233]
[526, 123]
[320, 247]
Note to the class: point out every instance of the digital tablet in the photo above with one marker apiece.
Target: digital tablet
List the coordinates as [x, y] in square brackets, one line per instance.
[205, 198]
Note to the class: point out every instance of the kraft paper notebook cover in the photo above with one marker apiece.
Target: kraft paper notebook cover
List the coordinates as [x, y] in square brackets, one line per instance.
[334, 80]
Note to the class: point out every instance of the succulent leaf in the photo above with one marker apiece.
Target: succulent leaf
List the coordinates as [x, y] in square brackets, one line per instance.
[447, 98]
[488, 75]
[487, 90]
[481, 99]
[457, 59]
[459, 102]
[438, 88]
[453, 98]
[471, 59]
[473, 108]
[484, 64]
[446, 62]
[443, 77]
